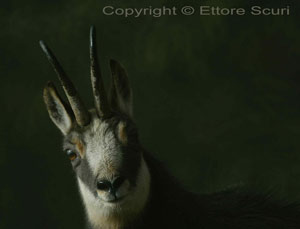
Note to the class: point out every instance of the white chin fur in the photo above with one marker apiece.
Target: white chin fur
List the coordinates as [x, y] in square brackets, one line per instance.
[102, 214]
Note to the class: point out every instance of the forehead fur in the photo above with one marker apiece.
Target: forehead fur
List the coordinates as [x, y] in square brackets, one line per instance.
[96, 129]
[103, 151]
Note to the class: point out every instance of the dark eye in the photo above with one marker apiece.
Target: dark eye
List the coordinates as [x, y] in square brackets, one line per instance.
[71, 154]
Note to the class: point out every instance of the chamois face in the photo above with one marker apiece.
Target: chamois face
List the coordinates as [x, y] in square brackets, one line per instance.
[105, 153]
[101, 143]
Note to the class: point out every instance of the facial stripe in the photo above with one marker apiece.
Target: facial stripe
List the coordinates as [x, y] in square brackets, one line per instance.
[85, 174]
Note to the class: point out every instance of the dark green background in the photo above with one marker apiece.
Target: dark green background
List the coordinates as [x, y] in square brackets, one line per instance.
[215, 98]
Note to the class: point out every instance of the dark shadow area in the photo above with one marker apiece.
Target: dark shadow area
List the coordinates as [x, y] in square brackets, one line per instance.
[215, 97]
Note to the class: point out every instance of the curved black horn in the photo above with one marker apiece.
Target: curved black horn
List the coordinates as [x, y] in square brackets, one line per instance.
[81, 113]
[101, 102]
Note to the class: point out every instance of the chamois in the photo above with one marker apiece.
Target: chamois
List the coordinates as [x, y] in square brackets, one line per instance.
[124, 186]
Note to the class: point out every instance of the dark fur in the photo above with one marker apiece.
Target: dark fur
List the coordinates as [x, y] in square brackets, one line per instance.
[170, 206]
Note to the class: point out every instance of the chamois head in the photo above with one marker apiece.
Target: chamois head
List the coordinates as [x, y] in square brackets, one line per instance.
[101, 143]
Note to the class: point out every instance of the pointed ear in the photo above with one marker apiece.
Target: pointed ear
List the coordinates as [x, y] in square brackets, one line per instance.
[59, 112]
[120, 92]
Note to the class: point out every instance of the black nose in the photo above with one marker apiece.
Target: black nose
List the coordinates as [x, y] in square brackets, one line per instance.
[105, 185]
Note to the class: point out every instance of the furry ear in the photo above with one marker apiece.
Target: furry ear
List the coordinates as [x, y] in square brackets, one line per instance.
[59, 112]
[120, 92]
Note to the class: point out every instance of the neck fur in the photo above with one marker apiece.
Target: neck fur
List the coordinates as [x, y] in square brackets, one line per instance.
[112, 216]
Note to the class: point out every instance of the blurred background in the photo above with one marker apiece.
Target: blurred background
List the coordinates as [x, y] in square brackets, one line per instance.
[216, 98]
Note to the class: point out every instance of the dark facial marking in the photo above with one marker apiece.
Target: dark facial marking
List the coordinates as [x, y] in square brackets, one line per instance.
[131, 151]
[86, 175]
[81, 166]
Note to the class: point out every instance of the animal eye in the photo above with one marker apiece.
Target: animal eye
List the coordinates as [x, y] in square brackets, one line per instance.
[71, 154]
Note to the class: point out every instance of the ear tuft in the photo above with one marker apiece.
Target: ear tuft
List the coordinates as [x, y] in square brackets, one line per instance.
[58, 111]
